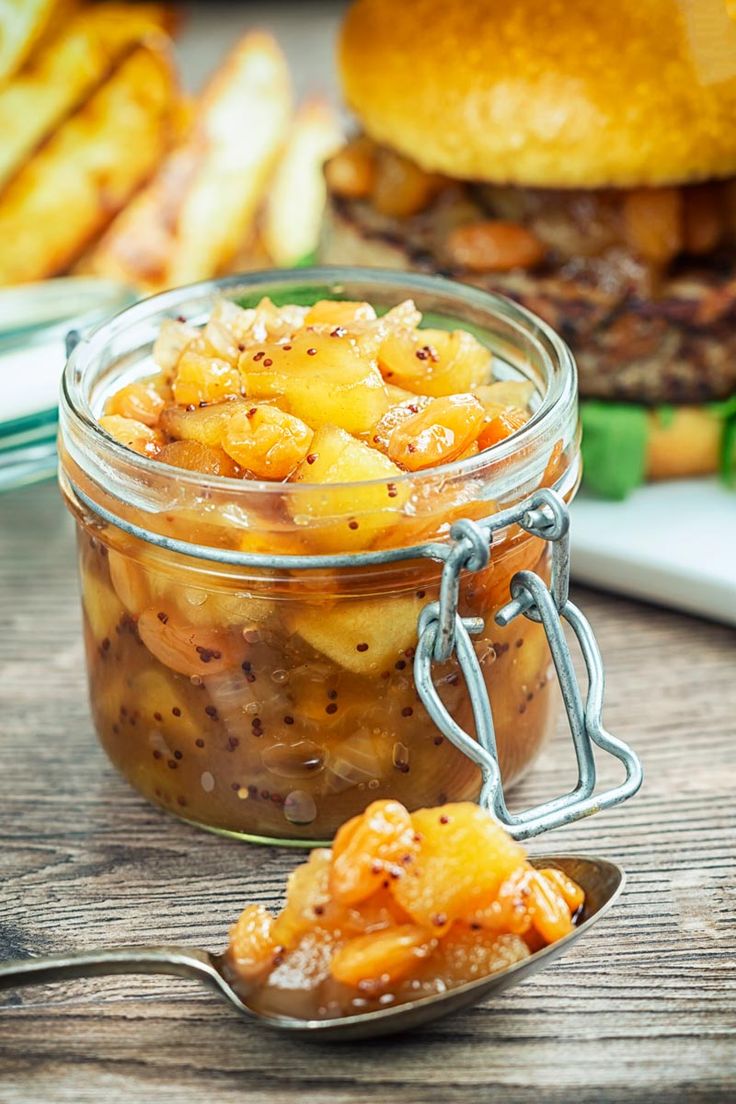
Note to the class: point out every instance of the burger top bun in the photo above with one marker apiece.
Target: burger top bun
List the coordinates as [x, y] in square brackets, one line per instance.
[548, 93]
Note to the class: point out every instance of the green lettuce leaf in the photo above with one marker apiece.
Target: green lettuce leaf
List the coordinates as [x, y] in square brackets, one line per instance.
[728, 453]
[614, 447]
[726, 409]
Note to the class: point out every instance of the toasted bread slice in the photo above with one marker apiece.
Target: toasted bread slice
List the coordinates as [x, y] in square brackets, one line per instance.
[71, 189]
[22, 22]
[189, 222]
[296, 198]
[65, 71]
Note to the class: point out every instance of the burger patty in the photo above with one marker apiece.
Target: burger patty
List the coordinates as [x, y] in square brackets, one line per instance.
[674, 345]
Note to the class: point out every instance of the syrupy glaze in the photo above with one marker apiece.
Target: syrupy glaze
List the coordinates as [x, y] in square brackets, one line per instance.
[275, 737]
[403, 907]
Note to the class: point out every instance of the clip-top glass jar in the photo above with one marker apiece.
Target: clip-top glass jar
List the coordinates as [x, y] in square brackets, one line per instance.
[272, 701]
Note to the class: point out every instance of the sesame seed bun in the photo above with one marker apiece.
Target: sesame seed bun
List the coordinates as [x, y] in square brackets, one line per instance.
[583, 94]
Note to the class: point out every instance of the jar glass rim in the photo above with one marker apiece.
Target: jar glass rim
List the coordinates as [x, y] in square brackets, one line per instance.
[558, 403]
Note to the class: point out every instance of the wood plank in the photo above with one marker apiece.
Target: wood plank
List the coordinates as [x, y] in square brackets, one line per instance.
[646, 1006]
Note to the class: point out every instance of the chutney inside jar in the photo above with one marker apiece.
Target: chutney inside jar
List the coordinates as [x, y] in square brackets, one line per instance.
[272, 701]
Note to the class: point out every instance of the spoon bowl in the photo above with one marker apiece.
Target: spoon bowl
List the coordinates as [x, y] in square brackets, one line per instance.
[602, 882]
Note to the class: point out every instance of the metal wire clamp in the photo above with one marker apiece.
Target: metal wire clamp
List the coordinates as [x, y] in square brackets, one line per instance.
[443, 632]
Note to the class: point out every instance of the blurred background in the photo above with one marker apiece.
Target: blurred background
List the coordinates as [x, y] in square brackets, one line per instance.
[307, 33]
[144, 146]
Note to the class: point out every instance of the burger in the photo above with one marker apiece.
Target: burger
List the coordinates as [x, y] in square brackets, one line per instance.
[581, 159]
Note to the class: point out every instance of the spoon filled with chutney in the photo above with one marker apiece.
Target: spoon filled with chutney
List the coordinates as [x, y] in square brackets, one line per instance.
[407, 918]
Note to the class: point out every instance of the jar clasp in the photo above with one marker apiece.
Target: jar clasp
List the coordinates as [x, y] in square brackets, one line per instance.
[442, 632]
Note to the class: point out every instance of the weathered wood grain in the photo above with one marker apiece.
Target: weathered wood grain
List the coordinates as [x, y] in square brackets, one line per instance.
[645, 1007]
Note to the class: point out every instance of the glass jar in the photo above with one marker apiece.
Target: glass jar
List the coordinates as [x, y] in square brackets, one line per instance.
[271, 701]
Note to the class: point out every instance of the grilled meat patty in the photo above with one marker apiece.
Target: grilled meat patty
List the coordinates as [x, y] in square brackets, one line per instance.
[671, 342]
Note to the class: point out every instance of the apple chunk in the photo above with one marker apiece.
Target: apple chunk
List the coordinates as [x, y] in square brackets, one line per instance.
[434, 362]
[321, 377]
[205, 424]
[366, 636]
[346, 518]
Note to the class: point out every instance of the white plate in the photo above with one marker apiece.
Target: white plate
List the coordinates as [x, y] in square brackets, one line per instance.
[671, 543]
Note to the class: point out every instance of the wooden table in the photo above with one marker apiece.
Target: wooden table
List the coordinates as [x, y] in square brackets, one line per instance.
[644, 1008]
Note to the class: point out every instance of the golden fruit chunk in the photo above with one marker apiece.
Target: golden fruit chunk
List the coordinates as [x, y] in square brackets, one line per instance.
[266, 441]
[202, 378]
[404, 409]
[133, 434]
[307, 898]
[464, 856]
[321, 378]
[508, 911]
[501, 424]
[362, 758]
[193, 456]
[375, 961]
[434, 362]
[370, 334]
[350, 517]
[465, 954]
[142, 401]
[102, 606]
[205, 424]
[377, 845]
[569, 890]
[375, 913]
[219, 606]
[251, 942]
[549, 909]
[24, 22]
[441, 431]
[336, 312]
[367, 636]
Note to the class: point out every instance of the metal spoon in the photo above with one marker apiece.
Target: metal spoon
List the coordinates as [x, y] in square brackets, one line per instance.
[601, 880]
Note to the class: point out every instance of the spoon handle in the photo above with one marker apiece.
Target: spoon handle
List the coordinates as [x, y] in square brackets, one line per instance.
[179, 961]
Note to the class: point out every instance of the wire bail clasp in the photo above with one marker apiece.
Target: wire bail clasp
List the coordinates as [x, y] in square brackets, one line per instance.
[443, 632]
